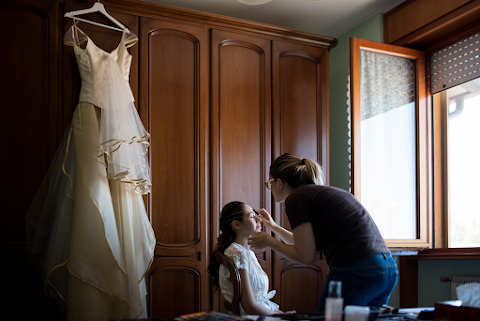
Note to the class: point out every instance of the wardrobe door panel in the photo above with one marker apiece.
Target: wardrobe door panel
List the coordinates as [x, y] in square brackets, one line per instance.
[304, 280]
[173, 101]
[241, 108]
[172, 279]
[30, 108]
[300, 126]
[29, 91]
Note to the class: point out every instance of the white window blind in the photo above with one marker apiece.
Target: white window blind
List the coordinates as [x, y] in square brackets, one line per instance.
[455, 64]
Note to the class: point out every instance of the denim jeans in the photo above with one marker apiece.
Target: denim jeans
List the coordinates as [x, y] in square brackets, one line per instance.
[368, 281]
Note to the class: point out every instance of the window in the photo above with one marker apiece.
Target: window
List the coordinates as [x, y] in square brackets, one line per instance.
[391, 141]
[462, 114]
[455, 21]
[455, 83]
[414, 154]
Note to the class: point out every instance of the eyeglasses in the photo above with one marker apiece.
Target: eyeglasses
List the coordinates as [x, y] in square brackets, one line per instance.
[268, 184]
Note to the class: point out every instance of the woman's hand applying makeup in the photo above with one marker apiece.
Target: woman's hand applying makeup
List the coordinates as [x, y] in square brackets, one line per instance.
[267, 219]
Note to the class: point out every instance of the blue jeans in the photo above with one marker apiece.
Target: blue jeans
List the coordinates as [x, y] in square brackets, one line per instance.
[368, 281]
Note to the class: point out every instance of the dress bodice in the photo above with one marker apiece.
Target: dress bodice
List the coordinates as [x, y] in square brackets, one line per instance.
[245, 259]
[123, 140]
[97, 67]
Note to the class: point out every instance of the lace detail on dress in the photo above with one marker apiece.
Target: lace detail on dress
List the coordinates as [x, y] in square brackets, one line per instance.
[239, 257]
[244, 258]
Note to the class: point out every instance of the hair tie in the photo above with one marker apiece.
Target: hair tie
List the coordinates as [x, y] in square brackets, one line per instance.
[303, 161]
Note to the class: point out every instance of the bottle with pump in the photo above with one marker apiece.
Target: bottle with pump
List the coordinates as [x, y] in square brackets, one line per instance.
[334, 302]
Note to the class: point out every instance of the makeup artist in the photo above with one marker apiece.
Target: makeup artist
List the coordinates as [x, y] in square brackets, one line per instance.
[331, 220]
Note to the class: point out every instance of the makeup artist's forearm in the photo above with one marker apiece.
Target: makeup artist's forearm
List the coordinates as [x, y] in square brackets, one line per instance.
[289, 251]
[285, 235]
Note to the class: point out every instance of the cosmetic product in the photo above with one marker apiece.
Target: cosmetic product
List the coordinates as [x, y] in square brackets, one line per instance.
[334, 302]
[356, 313]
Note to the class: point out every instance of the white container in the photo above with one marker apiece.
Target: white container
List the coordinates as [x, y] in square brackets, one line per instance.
[356, 313]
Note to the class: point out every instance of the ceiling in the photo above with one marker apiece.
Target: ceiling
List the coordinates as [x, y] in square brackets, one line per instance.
[324, 17]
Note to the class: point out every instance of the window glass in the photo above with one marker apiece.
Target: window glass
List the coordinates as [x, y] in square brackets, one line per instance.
[388, 143]
[463, 115]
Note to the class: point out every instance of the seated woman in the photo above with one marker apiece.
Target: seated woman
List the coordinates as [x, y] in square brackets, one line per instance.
[237, 222]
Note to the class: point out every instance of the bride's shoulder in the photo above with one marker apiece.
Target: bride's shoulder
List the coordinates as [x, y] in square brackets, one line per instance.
[238, 254]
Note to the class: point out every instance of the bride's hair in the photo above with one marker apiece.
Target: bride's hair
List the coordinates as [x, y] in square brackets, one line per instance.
[233, 211]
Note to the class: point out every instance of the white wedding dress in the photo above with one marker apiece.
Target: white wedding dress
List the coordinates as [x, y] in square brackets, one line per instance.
[98, 241]
[245, 259]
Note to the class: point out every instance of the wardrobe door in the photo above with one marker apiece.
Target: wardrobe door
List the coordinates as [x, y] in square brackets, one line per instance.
[241, 126]
[30, 135]
[173, 104]
[300, 126]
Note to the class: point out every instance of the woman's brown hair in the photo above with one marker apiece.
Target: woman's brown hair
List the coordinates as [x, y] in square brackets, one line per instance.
[233, 211]
[296, 171]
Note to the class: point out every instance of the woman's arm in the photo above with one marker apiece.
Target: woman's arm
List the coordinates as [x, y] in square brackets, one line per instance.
[303, 249]
[250, 306]
[285, 235]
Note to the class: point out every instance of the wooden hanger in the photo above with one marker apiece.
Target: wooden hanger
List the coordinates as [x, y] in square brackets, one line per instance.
[97, 7]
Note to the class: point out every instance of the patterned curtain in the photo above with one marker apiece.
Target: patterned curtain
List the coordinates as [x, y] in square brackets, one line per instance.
[386, 82]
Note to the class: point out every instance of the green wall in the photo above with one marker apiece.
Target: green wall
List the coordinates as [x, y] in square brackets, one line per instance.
[430, 289]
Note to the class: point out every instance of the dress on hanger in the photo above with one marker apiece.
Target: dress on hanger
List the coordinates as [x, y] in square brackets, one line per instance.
[99, 241]
[245, 259]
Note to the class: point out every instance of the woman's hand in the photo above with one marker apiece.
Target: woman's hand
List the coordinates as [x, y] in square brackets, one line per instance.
[267, 219]
[259, 240]
[286, 312]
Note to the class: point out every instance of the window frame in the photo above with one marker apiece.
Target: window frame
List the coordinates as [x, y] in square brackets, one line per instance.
[424, 162]
[440, 172]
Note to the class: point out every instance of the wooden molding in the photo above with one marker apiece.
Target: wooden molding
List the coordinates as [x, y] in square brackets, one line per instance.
[450, 25]
[448, 254]
[148, 9]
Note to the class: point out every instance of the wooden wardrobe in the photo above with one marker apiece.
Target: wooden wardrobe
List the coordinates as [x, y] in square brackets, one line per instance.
[221, 98]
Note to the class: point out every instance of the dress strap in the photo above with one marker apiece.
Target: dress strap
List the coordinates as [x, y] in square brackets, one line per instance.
[74, 36]
[129, 38]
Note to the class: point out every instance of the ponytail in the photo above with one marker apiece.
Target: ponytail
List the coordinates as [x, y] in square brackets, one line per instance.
[296, 171]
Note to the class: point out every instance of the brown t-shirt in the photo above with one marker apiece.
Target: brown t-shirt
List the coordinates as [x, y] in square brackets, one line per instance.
[343, 228]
